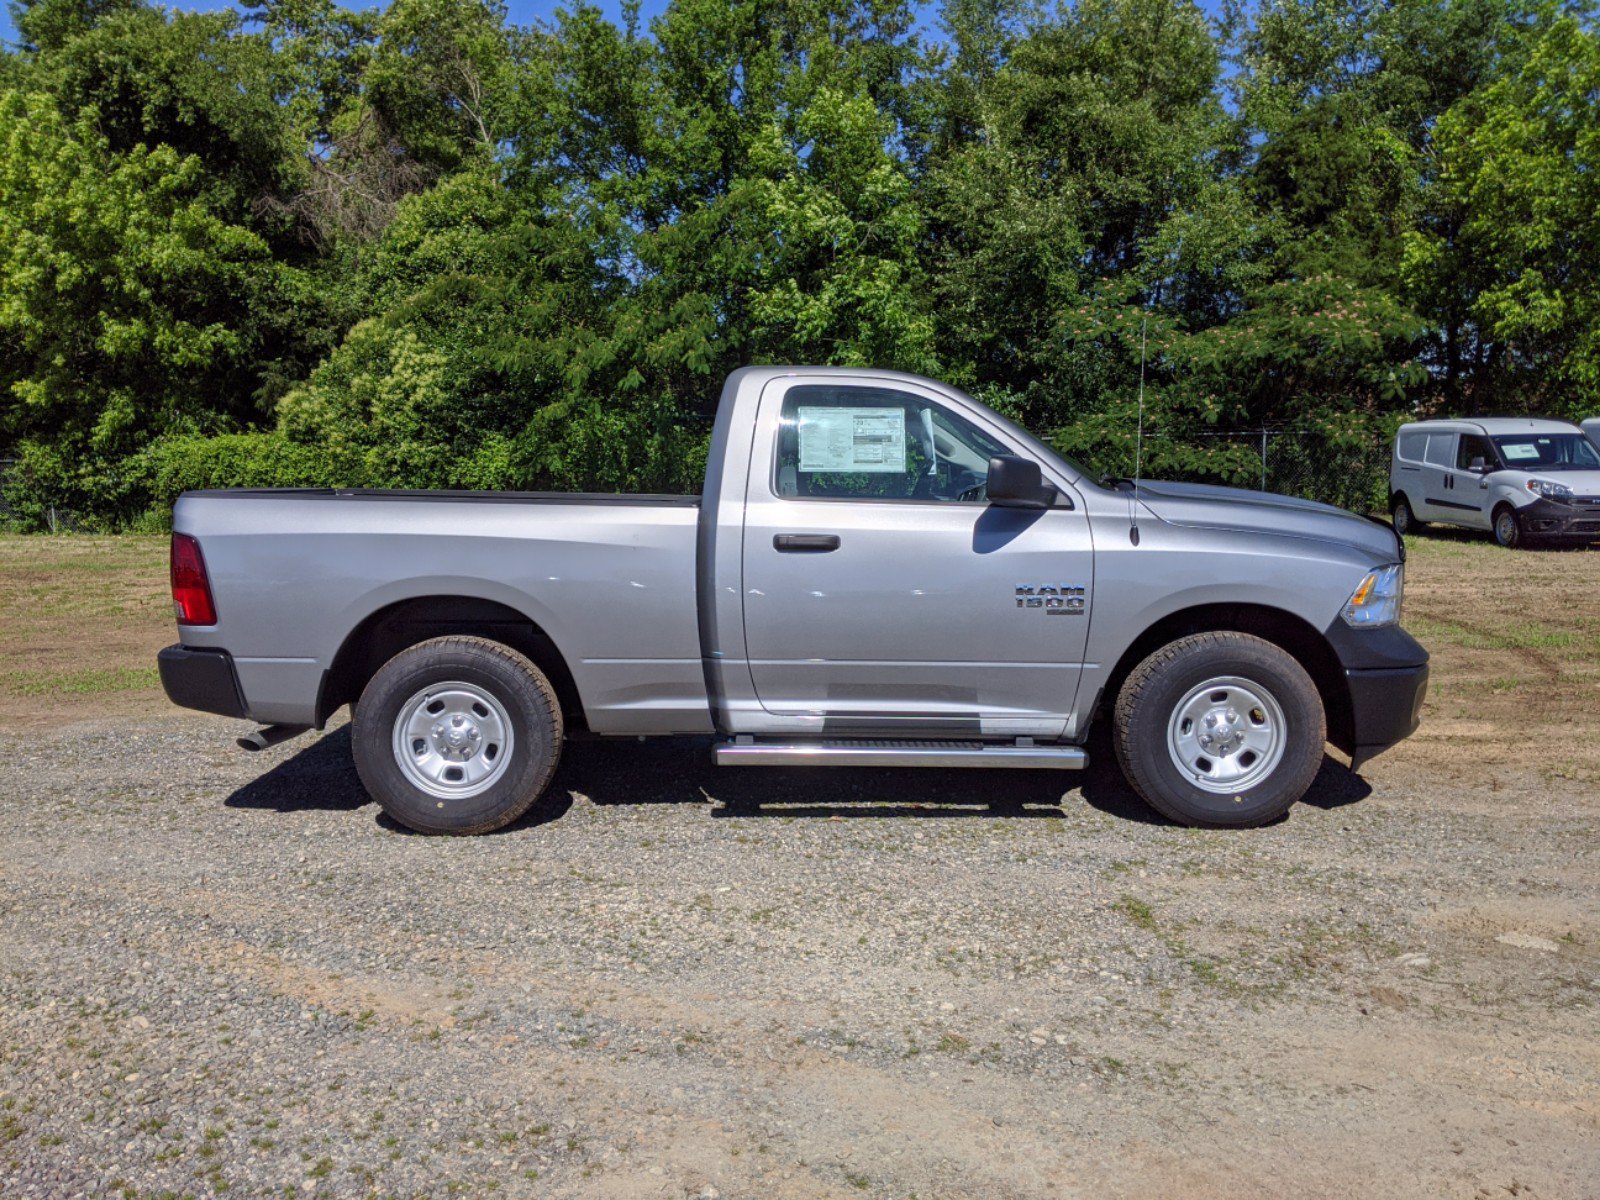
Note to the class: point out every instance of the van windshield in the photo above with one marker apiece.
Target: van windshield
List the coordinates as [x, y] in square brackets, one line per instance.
[1548, 452]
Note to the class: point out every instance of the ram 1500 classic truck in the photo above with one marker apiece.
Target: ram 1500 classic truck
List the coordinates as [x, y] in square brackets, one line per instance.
[879, 572]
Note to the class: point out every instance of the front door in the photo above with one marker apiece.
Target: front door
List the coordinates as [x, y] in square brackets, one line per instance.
[1466, 490]
[882, 591]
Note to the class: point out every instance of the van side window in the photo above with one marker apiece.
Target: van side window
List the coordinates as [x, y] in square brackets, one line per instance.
[1412, 446]
[1473, 446]
[1441, 448]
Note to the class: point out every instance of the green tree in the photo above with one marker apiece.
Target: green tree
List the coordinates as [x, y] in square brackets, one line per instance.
[1091, 181]
[1515, 251]
[128, 301]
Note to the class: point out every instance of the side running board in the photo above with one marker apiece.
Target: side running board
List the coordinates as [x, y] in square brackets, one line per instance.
[862, 752]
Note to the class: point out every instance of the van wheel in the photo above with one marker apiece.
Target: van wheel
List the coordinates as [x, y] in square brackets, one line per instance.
[1507, 528]
[457, 735]
[1405, 521]
[1220, 729]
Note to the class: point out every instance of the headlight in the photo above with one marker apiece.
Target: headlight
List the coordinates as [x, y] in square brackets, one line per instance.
[1376, 600]
[1548, 489]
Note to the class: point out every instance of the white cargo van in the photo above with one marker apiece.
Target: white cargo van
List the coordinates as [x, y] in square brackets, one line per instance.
[1519, 478]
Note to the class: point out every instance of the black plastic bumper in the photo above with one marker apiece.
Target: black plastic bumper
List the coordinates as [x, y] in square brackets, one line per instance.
[1386, 678]
[1385, 708]
[1553, 521]
[202, 679]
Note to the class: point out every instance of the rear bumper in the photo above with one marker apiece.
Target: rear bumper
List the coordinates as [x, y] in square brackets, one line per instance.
[1385, 708]
[202, 679]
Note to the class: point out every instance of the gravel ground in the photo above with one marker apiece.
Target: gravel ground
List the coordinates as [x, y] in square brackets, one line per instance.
[224, 972]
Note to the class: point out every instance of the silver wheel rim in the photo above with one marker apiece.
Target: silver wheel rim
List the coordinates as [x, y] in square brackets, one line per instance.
[1227, 734]
[1506, 529]
[453, 740]
[1402, 519]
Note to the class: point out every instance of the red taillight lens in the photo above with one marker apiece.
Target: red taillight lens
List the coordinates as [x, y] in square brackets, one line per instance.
[191, 590]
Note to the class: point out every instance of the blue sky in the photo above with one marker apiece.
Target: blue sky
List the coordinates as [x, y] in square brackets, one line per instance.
[523, 12]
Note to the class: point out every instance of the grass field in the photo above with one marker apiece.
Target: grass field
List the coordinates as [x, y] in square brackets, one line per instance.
[84, 619]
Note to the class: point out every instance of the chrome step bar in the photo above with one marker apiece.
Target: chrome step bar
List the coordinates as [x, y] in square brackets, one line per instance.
[863, 752]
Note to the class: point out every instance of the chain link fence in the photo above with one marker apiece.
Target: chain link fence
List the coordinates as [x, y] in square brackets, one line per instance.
[1350, 473]
[53, 520]
[8, 518]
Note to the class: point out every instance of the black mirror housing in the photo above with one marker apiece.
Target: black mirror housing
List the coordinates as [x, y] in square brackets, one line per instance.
[1480, 466]
[1018, 483]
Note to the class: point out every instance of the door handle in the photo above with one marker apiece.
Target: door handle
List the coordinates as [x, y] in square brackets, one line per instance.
[806, 543]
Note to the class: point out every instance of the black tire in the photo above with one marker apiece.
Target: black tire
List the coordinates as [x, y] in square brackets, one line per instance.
[1400, 512]
[1147, 713]
[1508, 528]
[527, 701]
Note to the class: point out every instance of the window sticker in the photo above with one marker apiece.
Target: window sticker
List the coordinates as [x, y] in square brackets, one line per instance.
[853, 439]
[1519, 451]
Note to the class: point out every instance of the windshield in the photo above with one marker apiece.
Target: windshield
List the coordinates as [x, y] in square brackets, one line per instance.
[1548, 452]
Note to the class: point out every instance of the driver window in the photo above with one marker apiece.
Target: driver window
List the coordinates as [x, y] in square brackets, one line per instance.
[1473, 447]
[865, 443]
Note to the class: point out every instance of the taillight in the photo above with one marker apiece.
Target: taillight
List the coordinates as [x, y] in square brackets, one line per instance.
[191, 590]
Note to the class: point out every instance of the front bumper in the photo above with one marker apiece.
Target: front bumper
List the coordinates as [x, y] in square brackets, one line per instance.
[1552, 520]
[1386, 681]
[1385, 708]
[201, 678]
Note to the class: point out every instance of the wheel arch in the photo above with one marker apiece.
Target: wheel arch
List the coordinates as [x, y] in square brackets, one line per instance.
[1294, 635]
[382, 634]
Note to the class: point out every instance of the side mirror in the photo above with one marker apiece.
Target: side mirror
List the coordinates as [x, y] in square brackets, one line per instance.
[1017, 483]
[1480, 466]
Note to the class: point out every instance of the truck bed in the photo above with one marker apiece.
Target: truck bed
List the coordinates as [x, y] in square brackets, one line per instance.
[608, 578]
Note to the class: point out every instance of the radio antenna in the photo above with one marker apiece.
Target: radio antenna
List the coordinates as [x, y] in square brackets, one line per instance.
[1138, 445]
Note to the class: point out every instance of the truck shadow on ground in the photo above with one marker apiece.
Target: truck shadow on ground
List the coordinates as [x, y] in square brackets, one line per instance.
[322, 776]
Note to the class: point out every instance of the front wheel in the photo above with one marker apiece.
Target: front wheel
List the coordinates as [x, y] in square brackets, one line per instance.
[1405, 521]
[457, 735]
[1507, 528]
[1220, 729]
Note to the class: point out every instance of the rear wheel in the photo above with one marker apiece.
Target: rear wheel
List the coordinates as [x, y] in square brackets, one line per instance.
[1507, 527]
[1405, 521]
[1220, 729]
[457, 735]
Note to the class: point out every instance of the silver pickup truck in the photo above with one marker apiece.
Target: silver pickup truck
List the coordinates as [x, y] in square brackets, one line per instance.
[880, 572]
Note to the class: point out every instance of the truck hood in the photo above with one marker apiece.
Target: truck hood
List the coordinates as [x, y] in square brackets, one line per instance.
[1206, 506]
